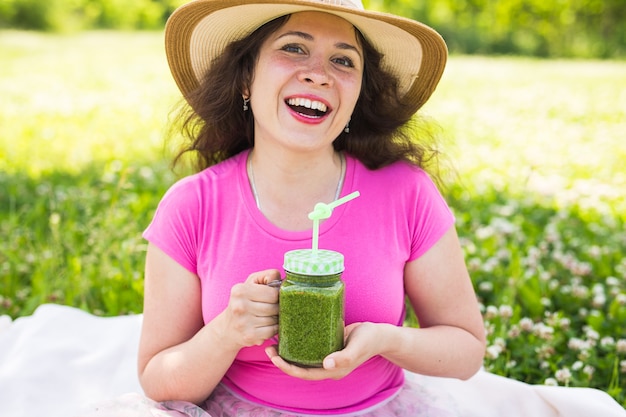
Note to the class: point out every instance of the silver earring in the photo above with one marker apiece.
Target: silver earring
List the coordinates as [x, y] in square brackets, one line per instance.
[245, 103]
[347, 128]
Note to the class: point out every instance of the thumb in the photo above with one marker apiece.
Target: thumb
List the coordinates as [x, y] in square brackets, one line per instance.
[329, 362]
[337, 359]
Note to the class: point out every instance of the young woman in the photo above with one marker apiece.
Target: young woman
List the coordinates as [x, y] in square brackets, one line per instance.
[294, 103]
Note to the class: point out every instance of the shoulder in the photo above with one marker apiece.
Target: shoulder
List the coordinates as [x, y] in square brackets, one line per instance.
[396, 177]
[211, 179]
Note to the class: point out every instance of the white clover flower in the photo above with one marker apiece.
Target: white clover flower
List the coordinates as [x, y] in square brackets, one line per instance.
[545, 351]
[607, 342]
[503, 254]
[485, 232]
[595, 251]
[620, 346]
[598, 301]
[578, 344]
[514, 331]
[491, 313]
[545, 276]
[592, 334]
[584, 355]
[598, 289]
[493, 352]
[612, 282]
[505, 311]
[565, 323]
[474, 264]
[499, 341]
[622, 367]
[589, 370]
[551, 318]
[526, 324]
[490, 264]
[551, 382]
[534, 253]
[581, 268]
[504, 226]
[621, 299]
[544, 331]
[580, 291]
[146, 173]
[577, 366]
[485, 286]
[563, 375]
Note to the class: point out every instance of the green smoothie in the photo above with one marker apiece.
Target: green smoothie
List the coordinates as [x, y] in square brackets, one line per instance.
[311, 318]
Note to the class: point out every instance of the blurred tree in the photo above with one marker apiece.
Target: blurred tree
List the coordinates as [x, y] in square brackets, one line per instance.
[559, 28]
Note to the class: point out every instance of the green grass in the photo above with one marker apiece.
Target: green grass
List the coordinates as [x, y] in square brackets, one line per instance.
[539, 191]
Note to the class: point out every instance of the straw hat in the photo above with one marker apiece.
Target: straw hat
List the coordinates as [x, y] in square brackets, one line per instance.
[198, 31]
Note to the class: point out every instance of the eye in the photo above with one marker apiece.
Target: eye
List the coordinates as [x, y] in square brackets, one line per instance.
[293, 48]
[344, 61]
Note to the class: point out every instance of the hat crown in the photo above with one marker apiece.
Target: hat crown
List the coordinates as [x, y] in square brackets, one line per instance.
[355, 4]
[199, 31]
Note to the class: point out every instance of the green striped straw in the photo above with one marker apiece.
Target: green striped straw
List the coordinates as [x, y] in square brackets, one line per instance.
[323, 211]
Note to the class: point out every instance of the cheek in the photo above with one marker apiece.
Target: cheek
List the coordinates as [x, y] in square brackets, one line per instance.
[276, 66]
[271, 73]
[352, 88]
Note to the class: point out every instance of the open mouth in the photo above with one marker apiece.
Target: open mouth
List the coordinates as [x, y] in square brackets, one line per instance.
[307, 107]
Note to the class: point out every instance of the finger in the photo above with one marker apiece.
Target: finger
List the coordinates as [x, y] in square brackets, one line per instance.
[264, 277]
[260, 335]
[311, 374]
[266, 297]
[266, 321]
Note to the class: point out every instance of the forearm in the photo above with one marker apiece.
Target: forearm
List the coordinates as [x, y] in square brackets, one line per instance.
[191, 370]
[445, 351]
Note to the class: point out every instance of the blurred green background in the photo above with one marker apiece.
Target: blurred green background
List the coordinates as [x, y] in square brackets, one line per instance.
[532, 116]
[559, 28]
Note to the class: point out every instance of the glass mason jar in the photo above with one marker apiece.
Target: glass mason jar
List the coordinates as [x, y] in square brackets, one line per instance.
[311, 303]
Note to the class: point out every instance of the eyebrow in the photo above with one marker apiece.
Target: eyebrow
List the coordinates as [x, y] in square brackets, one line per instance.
[309, 37]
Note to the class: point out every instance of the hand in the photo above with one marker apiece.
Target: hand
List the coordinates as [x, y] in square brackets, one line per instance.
[252, 312]
[360, 345]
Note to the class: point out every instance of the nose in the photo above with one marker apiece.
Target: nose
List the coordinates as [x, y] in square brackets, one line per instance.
[316, 72]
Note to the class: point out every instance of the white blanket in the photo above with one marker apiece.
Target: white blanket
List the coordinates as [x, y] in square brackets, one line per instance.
[61, 361]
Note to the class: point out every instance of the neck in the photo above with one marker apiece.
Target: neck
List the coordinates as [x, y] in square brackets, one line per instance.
[287, 188]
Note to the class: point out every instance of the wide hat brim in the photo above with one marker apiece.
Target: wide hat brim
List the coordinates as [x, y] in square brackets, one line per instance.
[199, 31]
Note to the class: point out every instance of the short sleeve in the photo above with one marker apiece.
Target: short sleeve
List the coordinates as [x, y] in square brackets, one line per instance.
[433, 217]
[173, 227]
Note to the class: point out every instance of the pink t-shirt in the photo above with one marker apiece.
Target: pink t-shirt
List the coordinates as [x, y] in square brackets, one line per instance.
[209, 223]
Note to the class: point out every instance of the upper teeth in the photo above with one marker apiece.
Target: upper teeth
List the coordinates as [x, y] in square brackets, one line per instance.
[309, 104]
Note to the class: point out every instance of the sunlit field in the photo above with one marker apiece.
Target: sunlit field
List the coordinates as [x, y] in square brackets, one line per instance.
[538, 185]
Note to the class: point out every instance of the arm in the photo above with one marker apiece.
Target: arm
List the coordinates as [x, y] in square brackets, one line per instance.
[450, 341]
[181, 358]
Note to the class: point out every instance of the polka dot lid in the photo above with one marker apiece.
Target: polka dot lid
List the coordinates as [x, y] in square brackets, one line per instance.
[309, 262]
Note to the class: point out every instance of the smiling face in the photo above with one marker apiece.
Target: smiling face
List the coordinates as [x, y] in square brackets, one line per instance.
[306, 81]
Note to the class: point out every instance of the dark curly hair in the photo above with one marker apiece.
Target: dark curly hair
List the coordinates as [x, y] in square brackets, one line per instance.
[215, 127]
